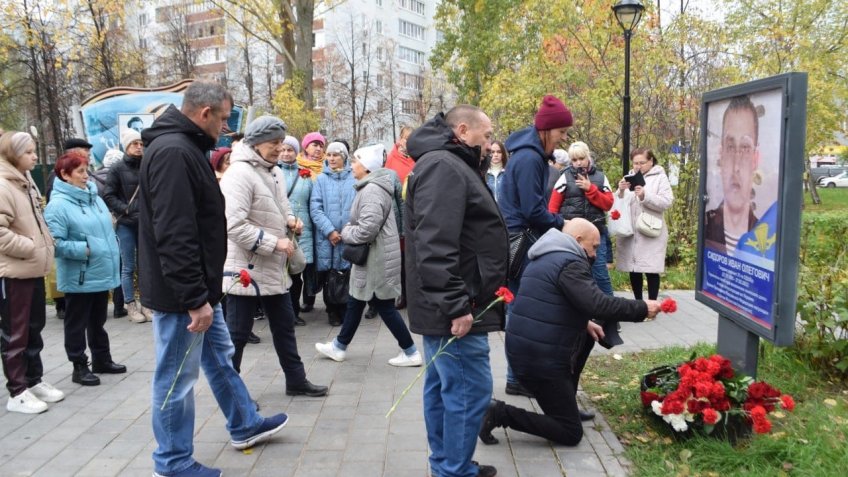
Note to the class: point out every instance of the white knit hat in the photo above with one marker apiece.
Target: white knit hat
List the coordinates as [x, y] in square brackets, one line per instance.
[128, 136]
[371, 157]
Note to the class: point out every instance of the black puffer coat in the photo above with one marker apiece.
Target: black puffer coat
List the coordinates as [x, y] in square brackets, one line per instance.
[121, 184]
[456, 239]
[556, 300]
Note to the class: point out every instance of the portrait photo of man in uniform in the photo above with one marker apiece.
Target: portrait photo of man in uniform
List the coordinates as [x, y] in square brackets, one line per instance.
[738, 159]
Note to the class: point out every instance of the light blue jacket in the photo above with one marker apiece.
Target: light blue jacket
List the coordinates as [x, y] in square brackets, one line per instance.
[332, 197]
[301, 191]
[78, 220]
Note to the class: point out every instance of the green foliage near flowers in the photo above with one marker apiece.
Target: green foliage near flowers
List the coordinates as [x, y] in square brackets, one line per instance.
[806, 442]
[823, 292]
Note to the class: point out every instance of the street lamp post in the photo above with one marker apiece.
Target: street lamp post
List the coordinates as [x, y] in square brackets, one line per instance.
[628, 13]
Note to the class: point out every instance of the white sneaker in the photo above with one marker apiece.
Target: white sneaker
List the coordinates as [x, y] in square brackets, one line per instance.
[46, 392]
[26, 403]
[402, 360]
[147, 312]
[329, 350]
[134, 311]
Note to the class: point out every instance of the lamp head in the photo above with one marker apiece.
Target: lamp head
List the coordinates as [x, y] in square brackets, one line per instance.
[628, 13]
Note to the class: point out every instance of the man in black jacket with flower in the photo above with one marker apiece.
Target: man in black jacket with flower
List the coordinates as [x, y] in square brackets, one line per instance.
[456, 245]
[182, 247]
[548, 327]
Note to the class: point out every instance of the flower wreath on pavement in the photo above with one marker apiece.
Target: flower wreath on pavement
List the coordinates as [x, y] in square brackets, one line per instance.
[705, 393]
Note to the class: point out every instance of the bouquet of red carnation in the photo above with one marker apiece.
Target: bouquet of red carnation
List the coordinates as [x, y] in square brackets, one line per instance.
[615, 214]
[305, 173]
[706, 393]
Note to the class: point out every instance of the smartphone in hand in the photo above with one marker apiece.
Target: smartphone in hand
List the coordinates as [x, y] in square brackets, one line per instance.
[636, 179]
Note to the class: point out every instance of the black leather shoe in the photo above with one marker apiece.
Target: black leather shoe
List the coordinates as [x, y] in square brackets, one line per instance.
[490, 421]
[485, 470]
[307, 307]
[370, 314]
[517, 390]
[586, 415]
[60, 314]
[253, 339]
[82, 375]
[298, 321]
[306, 389]
[119, 312]
[107, 367]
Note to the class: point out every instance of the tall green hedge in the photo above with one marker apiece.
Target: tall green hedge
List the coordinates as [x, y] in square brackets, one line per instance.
[822, 334]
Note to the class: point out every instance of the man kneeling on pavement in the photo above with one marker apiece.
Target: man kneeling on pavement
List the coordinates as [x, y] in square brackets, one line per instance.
[550, 325]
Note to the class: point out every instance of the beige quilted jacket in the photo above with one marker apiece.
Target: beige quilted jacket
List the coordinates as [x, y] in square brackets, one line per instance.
[257, 213]
[26, 246]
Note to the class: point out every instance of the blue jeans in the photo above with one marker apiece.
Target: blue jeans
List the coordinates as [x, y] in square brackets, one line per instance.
[457, 391]
[173, 427]
[389, 315]
[599, 268]
[128, 243]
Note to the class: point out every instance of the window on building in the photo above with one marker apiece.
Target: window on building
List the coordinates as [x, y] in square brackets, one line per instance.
[379, 3]
[411, 55]
[379, 81]
[142, 19]
[416, 6]
[409, 106]
[411, 30]
[411, 81]
[142, 43]
[378, 25]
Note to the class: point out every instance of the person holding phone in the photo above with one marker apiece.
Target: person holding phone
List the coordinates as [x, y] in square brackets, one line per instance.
[640, 253]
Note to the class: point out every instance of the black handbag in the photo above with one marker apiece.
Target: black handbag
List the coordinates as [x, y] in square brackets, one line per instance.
[336, 287]
[336, 284]
[519, 243]
[356, 253]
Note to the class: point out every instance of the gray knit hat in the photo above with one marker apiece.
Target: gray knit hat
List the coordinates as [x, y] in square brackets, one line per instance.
[293, 142]
[264, 129]
[338, 148]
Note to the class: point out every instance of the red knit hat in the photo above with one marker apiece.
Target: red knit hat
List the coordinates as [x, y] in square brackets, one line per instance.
[218, 156]
[552, 114]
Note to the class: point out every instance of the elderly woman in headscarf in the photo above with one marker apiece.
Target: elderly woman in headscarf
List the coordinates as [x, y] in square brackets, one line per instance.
[329, 207]
[298, 190]
[259, 220]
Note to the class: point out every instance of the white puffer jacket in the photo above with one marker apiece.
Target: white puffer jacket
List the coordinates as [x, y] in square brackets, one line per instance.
[257, 214]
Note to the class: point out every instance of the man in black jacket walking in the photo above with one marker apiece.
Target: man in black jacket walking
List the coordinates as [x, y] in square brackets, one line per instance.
[456, 260]
[182, 247]
[548, 328]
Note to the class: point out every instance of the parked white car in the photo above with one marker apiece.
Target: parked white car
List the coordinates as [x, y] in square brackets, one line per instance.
[838, 181]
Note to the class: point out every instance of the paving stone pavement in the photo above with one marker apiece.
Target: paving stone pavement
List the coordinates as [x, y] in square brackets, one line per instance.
[105, 430]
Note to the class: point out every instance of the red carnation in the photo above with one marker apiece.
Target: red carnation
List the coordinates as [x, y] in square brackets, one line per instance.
[615, 214]
[305, 173]
[649, 397]
[762, 426]
[710, 416]
[668, 305]
[504, 293]
[787, 402]
[244, 278]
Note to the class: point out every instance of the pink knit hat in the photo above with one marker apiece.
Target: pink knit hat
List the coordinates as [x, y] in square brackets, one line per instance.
[552, 114]
[312, 137]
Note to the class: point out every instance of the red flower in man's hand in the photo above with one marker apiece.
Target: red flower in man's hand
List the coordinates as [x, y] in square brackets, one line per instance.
[504, 293]
[615, 214]
[668, 305]
[244, 278]
[305, 173]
